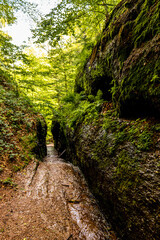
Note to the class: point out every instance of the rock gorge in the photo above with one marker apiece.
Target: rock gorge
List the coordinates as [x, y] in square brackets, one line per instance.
[117, 143]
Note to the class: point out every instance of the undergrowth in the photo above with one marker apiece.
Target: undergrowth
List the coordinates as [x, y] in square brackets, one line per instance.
[17, 129]
[79, 109]
[99, 137]
[76, 108]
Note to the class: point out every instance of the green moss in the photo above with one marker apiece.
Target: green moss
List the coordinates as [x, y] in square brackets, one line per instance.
[8, 182]
[118, 154]
[147, 23]
[126, 172]
[114, 22]
[121, 154]
[135, 27]
[140, 86]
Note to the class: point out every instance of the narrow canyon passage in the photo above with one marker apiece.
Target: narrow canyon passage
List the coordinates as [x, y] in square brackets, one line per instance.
[52, 201]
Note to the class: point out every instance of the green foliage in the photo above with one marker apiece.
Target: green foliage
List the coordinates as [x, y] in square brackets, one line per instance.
[16, 168]
[99, 95]
[8, 182]
[82, 23]
[9, 53]
[124, 63]
[18, 127]
[8, 8]
[29, 141]
[69, 15]
[77, 108]
[48, 78]
[147, 23]
[137, 132]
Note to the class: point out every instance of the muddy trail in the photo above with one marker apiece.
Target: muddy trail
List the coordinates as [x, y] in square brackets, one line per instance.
[51, 201]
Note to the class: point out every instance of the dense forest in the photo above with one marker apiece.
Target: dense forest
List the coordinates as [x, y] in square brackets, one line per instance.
[67, 34]
[94, 90]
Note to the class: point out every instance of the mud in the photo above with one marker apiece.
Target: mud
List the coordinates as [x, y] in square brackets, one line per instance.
[52, 201]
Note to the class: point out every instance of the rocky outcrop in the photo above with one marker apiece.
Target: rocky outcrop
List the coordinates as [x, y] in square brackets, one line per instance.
[121, 162]
[125, 63]
[41, 131]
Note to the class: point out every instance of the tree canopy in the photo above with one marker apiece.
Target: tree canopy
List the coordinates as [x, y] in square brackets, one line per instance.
[66, 36]
[69, 15]
[9, 7]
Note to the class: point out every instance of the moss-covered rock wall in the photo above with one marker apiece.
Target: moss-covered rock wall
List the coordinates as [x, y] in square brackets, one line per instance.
[117, 143]
[125, 63]
[121, 162]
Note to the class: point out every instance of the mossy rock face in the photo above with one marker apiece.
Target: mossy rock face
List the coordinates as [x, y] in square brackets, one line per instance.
[60, 140]
[120, 157]
[125, 63]
[121, 162]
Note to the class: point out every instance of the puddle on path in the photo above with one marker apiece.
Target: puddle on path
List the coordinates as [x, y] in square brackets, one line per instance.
[55, 203]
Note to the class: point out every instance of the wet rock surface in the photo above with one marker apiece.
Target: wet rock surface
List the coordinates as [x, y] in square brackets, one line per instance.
[52, 201]
[122, 171]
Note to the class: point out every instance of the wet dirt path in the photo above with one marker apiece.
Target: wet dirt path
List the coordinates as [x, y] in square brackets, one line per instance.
[52, 202]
